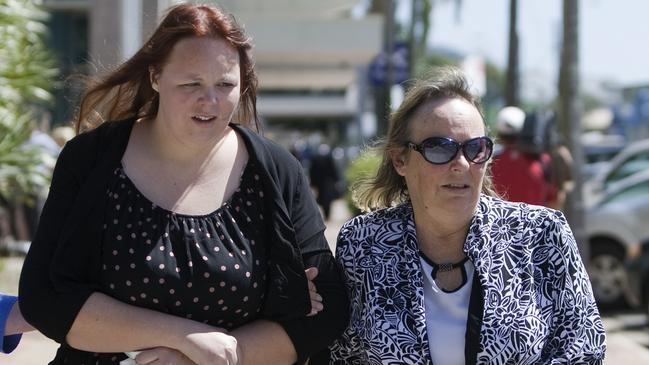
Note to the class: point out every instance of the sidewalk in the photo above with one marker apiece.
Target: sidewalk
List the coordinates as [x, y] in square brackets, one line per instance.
[339, 215]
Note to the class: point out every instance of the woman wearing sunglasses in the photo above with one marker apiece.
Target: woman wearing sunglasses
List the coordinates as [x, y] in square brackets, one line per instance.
[443, 270]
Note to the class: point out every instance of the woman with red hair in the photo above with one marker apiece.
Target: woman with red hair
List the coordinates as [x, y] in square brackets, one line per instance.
[173, 229]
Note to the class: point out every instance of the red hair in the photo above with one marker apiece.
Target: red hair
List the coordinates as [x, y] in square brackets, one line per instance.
[127, 92]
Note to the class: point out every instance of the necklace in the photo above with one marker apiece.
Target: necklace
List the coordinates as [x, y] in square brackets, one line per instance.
[443, 267]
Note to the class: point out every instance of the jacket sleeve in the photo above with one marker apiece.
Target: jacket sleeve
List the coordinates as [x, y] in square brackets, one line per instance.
[577, 334]
[348, 348]
[311, 335]
[49, 310]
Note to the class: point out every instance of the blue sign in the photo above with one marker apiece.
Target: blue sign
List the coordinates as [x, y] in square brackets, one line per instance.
[378, 69]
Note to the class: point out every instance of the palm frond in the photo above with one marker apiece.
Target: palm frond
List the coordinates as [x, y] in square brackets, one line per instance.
[26, 75]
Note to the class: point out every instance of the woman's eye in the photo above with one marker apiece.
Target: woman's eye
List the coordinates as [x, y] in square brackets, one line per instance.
[190, 84]
[226, 84]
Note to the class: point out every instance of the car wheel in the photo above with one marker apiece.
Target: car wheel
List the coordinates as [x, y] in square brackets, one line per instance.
[607, 273]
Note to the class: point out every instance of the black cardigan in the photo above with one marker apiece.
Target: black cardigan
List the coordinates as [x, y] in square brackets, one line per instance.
[62, 267]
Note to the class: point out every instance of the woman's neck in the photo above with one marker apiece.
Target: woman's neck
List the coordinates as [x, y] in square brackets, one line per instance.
[442, 240]
[165, 146]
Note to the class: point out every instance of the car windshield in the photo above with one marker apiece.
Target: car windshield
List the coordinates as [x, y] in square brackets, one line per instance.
[635, 164]
[632, 192]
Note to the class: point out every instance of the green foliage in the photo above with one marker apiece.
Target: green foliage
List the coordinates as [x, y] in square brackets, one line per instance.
[363, 167]
[424, 64]
[26, 74]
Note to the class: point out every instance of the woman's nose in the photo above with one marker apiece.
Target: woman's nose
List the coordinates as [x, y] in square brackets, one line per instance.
[209, 95]
[460, 162]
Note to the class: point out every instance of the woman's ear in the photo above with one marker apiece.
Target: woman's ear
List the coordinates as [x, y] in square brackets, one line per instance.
[153, 78]
[399, 161]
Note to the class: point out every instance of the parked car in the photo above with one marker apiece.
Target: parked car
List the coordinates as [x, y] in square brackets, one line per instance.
[598, 155]
[638, 270]
[632, 159]
[615, 226]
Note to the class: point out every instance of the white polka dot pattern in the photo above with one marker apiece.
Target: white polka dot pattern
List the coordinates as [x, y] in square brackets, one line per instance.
[209, 268]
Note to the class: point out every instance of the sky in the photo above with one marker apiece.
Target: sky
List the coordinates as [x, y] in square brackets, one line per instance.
[614, 39]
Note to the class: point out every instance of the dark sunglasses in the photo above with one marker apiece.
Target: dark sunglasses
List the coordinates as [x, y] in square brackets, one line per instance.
[440, 150]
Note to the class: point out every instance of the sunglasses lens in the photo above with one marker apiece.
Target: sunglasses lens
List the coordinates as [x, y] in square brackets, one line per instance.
[478, 150]
[440, 151]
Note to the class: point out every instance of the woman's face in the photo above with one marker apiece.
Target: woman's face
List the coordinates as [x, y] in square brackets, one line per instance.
[456, 185]
[199, 88]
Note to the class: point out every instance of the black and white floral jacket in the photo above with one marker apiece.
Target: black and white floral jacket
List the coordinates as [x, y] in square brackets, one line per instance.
[531, 300]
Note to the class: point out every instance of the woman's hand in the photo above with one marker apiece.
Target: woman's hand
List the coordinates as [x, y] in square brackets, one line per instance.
[162, 356]
[316, 299]
[211, 347]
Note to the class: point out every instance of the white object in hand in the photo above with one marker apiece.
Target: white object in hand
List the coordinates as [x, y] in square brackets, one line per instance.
[130, 360]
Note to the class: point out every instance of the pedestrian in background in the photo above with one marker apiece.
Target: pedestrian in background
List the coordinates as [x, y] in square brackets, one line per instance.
[561, 163]
[171, 228]
[520, 175]
[444, 271]
[324, 178]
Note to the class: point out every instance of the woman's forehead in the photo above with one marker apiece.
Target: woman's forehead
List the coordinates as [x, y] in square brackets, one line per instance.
[447, 116]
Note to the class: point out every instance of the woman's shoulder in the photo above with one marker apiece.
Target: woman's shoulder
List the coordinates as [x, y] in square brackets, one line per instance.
[499, 207]
[264, 148]
[359, 236]
[497, 212]
[107, 131]
[366, 224]
[85, 147]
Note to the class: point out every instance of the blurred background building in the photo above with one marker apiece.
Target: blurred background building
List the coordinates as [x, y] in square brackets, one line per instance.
[311, 56]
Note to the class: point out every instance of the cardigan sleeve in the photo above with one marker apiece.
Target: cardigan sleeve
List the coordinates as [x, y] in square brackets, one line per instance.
[311, 335]
[577, 334]
[44, 306]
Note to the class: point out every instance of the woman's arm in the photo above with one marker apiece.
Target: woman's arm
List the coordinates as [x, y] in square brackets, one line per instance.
[282, 341]
[49, 309]
[262, 340]
[105, 324]
[347, 349]
[311, 335]
[577, 334]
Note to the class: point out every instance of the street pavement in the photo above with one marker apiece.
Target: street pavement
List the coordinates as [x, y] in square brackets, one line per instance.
[627, 331]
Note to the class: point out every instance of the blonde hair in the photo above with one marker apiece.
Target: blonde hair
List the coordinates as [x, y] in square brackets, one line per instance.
[387, 187]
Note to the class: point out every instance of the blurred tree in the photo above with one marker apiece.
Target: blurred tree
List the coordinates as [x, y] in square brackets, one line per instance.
[512, 92]
[362, 168]
[415, 33]
[26, 74]
[569, 119]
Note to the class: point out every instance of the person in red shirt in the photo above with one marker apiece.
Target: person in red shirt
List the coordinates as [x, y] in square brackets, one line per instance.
[518, 176]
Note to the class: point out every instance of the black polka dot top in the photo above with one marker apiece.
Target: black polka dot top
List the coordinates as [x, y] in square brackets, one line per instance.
[209, 268]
